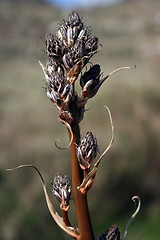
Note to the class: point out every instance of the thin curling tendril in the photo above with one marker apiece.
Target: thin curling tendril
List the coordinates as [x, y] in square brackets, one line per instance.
[133, 215]
[111, 141]
[72, 231]
[116, 70]
[71, 135]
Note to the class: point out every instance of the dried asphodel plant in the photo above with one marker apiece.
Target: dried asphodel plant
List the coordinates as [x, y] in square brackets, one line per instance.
[68, 52]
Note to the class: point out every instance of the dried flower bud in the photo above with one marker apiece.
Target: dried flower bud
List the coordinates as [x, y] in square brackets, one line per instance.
[92, 45]
[57, 88]
[112, 234]
[72, 30]
[62, 190]
[80, 52]
[76, 53]
[75, 21]
[87, 150]
[90, 81]
[73, 45]
[64, 35]
[54, 47]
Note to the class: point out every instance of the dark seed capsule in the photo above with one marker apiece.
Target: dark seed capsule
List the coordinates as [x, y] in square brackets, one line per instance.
[87, 150]
[62, 190]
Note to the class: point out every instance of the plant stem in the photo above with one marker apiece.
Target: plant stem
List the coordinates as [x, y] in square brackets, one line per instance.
[81, 205]
[66, 219]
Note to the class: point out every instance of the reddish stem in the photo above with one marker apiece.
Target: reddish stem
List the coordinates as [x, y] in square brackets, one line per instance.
[81, 205]
[66, 219]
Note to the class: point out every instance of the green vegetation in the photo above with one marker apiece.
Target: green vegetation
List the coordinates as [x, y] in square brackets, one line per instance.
[129, 33]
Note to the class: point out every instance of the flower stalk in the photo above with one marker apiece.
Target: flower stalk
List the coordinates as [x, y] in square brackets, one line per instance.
[80, 200]
[68, 52]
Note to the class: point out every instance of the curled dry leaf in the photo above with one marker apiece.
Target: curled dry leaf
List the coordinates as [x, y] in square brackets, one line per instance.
[70, 131]
[135, 198]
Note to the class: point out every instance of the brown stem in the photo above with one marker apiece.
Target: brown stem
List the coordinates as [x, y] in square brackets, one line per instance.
[81, 205]
[66, 219]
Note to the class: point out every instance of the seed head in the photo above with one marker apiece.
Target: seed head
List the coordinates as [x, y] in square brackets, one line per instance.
[62, 190]
[57, 88]
[72, 43]
[112, 234]
[76, 53]
[75, 21]
[87, 150]
[54, 47]
[68, 51]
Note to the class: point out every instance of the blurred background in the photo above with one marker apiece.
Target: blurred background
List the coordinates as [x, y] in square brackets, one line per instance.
[129, 32]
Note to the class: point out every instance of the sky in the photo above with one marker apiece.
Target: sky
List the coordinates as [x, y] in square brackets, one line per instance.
[79, 3]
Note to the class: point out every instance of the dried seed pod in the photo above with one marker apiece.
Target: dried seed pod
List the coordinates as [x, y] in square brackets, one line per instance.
[64, 35]
[57, 88]
[91, 45]
[87, 150]
[92, 73]
[62, 190]
[77, 25]
[72, 46]
[54, 47]
[80, 52]
[71, 30]
[74, 55]
[75, 20]
[90, 81]
[112, 234]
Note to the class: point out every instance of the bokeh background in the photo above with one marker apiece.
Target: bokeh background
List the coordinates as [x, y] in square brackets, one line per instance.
[130, 34]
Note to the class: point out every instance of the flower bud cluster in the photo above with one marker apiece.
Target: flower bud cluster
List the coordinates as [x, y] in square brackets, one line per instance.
[68, 52]
[62, 190]
[87, 150]
[72, 43]
[57, 88]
